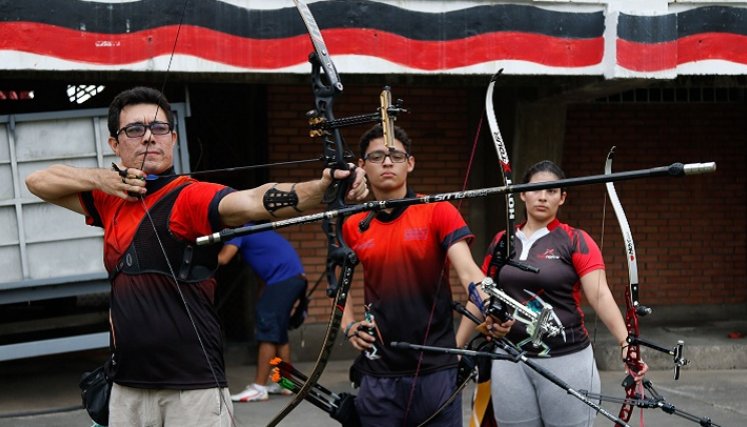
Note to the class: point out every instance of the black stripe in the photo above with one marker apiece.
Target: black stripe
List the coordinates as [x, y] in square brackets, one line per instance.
[647, 29]
[712, 19]
[90, 206]
[119, 18]
[457, 24]
[667, 28]
[216, 224]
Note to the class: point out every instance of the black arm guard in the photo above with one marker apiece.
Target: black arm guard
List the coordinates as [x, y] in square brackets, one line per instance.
[275, 199]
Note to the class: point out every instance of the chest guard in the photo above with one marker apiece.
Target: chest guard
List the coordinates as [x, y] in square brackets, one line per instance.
[190, 263]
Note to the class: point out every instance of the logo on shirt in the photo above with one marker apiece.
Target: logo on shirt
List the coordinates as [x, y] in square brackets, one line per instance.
[416, 233]
[549, 254]
[364, 245]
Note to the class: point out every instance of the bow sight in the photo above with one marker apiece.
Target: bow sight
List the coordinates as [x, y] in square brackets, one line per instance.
[320, 126]
[539, 324]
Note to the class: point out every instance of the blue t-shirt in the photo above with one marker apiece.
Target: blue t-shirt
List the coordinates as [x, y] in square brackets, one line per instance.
[271, 256]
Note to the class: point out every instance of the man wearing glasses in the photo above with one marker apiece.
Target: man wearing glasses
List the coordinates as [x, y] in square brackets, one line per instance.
[167, 352]
[405, 254]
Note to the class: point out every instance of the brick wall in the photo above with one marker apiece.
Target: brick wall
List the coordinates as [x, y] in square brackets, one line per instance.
[689, 232]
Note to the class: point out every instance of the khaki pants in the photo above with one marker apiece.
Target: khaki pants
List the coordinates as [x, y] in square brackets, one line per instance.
[141, 407]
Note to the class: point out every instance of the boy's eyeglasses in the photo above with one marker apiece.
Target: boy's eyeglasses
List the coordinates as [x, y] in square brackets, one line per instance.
[378, 156]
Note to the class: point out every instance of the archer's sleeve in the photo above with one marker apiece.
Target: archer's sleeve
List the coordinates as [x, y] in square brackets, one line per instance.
[236, 241]
[489, 252]
[350, 231]
[586, 254]
[93, 217]
[195, 212]
[450, 225]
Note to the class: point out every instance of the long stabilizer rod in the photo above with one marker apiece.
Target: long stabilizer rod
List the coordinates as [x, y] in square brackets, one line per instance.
[675, 170]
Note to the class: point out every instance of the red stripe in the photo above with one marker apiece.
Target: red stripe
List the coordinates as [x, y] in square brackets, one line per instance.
[428, 55]
[646, 56]
[726, 46]
[116, 49]
[666, 56]
[120, 49]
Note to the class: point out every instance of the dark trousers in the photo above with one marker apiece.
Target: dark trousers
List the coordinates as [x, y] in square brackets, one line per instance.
[394, 402]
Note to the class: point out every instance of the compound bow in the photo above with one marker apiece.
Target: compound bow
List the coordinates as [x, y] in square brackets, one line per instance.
[326, 85]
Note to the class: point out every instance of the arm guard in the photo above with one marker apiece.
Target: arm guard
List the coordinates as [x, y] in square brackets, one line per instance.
[275, 199]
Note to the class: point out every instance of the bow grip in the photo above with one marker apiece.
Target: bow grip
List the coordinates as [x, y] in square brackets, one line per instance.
[334, 196]
[345, 258]
[497, 309]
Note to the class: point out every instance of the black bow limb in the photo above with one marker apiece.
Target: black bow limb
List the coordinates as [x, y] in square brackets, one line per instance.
[326, 85]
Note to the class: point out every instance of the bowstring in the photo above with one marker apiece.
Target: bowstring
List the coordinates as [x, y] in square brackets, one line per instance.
[189, 313]
[158, 237]
[599, 287]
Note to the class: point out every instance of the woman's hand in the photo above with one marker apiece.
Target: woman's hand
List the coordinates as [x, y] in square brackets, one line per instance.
[625, 353]
[494, 328]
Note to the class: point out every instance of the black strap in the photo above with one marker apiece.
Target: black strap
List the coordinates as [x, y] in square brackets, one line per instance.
[144, 255]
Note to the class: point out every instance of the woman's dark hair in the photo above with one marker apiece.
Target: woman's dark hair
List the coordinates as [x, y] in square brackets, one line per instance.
[378, 132]
[137, 95]
[544, 166]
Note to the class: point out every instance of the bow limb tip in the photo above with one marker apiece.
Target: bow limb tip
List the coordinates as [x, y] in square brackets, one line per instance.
[496, 75]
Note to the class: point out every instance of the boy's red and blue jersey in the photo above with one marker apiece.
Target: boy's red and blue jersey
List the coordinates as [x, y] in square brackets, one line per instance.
[406, 280]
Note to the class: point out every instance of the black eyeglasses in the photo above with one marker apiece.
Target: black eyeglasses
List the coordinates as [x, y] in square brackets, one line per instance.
[137, 130]
[378, 156]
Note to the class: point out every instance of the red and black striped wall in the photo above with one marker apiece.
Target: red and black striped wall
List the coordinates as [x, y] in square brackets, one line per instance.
[124, 33]
[415, 36]
[657, 43]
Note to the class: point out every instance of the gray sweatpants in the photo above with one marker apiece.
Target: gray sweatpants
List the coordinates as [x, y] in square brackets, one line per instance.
[524, 398]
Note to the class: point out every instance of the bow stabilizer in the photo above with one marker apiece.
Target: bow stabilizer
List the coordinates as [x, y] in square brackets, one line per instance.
[514, 355]
[673, 170]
